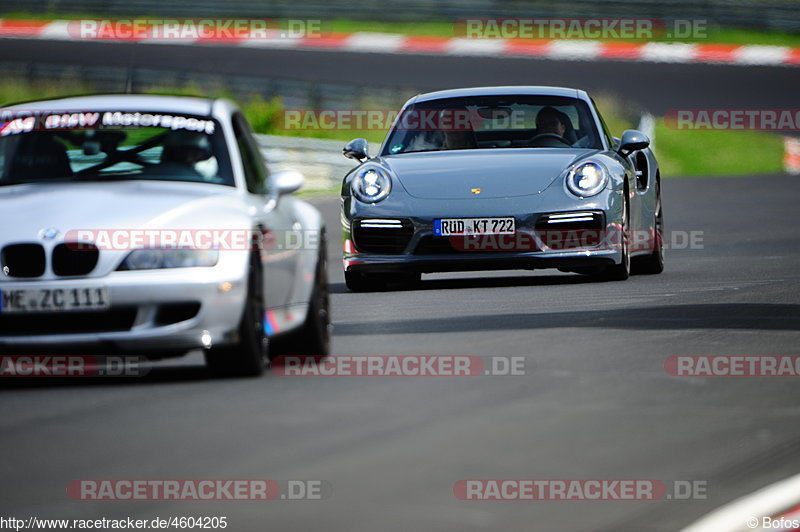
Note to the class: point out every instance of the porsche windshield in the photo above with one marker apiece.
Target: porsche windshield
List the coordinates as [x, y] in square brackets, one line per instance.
[487, 122]
[60, 147]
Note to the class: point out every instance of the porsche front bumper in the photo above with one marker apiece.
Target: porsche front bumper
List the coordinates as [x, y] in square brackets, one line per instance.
[571, 240]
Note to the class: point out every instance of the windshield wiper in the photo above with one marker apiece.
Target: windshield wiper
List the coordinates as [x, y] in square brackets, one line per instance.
[67, 179]
[6, 182]
[98, 177]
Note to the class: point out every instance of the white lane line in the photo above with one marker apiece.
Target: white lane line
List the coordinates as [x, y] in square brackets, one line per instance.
[734, 517]
[277, 42]
[580, 50]
[762, 55]
[163, 40]
[668, 52]
[463, 46]
[57, 31]
[374, 42]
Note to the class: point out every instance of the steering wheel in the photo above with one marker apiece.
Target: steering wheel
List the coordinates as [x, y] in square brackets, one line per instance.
[550, 136]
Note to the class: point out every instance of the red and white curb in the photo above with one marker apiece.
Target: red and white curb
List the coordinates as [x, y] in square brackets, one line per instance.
[791, 155]
[766, 509]
[569, 50]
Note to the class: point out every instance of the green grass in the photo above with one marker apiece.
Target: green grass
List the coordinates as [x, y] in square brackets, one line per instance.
[717, 153]
[443, 28]
[617, 115]
[266, 116]
[737, 36]
[313, 193]
[15, 91]
[698, 152]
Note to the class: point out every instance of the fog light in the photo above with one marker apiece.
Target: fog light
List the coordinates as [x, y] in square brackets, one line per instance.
[225, 287]
[205, 339]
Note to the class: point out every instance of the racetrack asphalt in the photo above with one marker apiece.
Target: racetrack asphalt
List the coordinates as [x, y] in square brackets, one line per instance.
[595, 401]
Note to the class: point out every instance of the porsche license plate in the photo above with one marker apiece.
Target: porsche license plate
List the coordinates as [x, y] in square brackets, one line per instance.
[14, 301]
[474, 226]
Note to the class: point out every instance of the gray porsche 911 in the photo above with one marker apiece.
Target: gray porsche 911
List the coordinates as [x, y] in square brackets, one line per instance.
[501, 178]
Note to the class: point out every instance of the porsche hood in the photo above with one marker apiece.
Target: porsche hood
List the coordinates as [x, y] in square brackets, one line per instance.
[498, 173]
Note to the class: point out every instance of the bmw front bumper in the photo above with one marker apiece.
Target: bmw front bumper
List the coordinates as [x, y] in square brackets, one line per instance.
[154, 311]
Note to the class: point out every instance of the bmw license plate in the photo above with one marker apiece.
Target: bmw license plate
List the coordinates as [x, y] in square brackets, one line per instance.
[474, 226]
[14, 301]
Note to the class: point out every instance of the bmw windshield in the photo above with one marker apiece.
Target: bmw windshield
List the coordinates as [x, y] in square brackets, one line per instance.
[40, 147]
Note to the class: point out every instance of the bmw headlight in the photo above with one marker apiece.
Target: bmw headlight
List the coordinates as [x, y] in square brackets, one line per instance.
[587, 179]
[371, 185]
[156, 259]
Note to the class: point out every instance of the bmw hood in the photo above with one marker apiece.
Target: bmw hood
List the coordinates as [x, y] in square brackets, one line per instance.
[498, 173]
[30, 208]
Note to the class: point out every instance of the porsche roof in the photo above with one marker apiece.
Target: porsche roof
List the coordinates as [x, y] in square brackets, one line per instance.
[502, 91]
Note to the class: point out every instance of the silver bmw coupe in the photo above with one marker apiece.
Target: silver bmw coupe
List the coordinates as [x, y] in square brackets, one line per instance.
[150, 225]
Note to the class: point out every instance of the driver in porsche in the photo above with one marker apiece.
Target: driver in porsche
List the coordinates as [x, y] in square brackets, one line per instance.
[548, 121]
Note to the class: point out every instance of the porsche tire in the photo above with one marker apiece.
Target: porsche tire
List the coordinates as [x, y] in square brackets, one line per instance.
[653, 263]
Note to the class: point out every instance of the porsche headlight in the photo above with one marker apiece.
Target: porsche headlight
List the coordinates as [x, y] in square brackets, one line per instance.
[587, 179]
[156, 259]
[371, 185]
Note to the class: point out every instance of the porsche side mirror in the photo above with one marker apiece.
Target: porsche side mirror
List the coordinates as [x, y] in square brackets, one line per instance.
[357, 149]
[285, 182]
[632, 140]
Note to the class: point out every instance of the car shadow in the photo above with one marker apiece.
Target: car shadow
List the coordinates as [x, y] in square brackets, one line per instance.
[151, 373]
[753, 316]
[479, 282]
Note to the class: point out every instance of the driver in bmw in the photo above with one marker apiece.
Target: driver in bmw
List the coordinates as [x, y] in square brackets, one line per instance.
[184, 154]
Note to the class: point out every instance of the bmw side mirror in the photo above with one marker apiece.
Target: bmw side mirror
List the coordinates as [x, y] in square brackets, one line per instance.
[286, 182]
[357, 149]
[632, 140]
